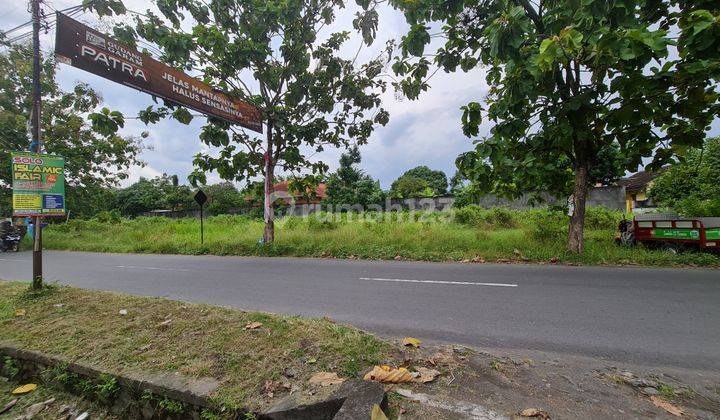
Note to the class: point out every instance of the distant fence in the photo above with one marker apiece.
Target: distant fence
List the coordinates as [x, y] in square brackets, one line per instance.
[610, 197]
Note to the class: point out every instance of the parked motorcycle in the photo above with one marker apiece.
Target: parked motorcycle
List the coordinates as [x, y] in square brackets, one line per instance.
[10, 238]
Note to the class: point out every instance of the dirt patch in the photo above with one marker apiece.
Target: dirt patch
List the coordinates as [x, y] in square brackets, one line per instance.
[566, 387]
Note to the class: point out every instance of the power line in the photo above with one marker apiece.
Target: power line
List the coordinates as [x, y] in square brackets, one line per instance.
[68, 11]
[52, 22]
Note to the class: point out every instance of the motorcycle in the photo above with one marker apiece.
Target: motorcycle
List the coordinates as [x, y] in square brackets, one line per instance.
[10, 237]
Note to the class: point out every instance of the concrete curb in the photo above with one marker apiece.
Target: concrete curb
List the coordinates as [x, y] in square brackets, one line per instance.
[193, 394]
[353, 400]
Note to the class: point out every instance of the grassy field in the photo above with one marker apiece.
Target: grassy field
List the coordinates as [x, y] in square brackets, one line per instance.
[465, 234]
[160, 336]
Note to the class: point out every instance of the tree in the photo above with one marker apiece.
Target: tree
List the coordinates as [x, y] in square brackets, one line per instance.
[349, 185]
[435, 180]
[95, 157]
[691, 186]
[223, 197]
[140, 197]
[408, 186]
[568, 79]
[309, 96]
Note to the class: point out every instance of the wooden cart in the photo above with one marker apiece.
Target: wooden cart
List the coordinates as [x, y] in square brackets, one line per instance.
[676, 232]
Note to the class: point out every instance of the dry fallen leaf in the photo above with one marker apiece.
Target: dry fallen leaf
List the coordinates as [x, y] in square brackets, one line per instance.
[326, 379]
[24, 389]
[442, 357]
[377, 413]
[253, 325]
[534, 412]
[410, 341]
[19, 312]
[672, 409]
[271, 387]
[426, 375]
[387, 375]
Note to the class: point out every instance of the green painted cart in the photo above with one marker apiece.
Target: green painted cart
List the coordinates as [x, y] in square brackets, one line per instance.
[677, 232]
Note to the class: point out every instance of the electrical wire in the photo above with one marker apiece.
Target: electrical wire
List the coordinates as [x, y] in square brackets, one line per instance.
[47, 27]
[70, 11]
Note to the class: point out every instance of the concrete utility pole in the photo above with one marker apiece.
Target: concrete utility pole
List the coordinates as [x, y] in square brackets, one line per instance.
[36, 140]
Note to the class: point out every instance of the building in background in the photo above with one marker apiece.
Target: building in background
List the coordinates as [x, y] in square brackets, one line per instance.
[636, 189]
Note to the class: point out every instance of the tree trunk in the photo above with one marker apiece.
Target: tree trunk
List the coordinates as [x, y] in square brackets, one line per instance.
[577, 219]
[269, 213]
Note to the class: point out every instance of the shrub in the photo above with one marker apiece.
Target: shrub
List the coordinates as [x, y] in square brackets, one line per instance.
[472, 215]
[601, 218]
[112, 217]
[547, 224]
[291, 222]
[502, 217]
[694, 207]
[318, 223]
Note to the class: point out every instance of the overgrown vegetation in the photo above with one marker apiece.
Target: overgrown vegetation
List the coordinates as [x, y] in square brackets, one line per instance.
[537, 235]
[85, 326]
[691, 187]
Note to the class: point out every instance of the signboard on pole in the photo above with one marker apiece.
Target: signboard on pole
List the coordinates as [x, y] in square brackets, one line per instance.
[38, 184]
[85, 48]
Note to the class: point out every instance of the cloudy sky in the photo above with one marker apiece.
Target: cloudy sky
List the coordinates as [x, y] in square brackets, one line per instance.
[423, 132]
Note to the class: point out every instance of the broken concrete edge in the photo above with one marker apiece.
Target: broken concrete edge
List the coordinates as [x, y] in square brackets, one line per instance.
[353, 400]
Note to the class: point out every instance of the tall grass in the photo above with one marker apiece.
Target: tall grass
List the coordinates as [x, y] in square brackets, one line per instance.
[464, 234]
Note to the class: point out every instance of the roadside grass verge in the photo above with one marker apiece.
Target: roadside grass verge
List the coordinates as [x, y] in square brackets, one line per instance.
[465, 234]
[86, 327]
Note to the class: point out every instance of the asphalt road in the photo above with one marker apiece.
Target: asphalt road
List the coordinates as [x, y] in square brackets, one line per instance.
[653, 317]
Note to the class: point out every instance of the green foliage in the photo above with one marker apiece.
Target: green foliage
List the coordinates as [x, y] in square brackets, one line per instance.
[142, 196]
[696, 207]
[497, 217]
[207, 414]
[547, 225]
[569, 82]
[349, 185]
[691, 187]
[410, 187]
[601, 218]
[171, 406]
[161, 193]
[10, 367]
[112, 217]
[60, 374]
[309, 95]
[539, 234]
[163, 404]
[223, 197]
[107, 388]
[436, 180]
[95, 156]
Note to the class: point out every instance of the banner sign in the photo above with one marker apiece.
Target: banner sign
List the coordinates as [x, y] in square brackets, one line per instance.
[676, 233]
[38, 184]
[85, 48]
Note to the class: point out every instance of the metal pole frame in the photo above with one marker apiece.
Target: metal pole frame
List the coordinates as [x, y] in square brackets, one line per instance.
[37, 281]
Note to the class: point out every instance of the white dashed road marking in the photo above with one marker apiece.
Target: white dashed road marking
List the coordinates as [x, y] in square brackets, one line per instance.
[461, 283]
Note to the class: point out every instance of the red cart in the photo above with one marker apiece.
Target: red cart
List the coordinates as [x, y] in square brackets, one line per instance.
[672, 231]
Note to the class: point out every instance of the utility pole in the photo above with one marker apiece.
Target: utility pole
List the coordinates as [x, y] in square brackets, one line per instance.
[36, 143]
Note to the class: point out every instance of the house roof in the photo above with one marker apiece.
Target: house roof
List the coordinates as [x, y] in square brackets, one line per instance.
[319, 190]
[639, 181]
